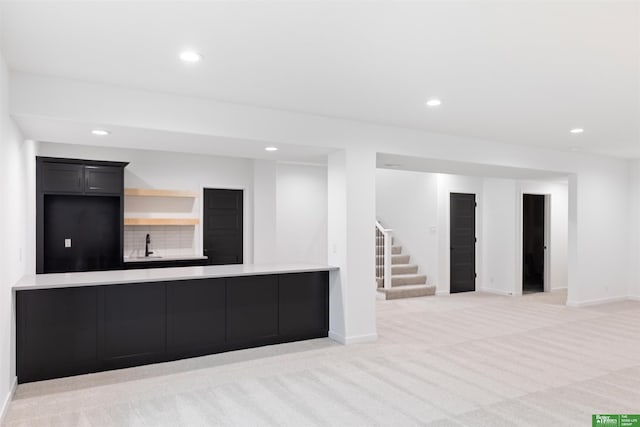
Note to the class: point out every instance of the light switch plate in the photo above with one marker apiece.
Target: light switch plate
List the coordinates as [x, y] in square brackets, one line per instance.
[67, 243]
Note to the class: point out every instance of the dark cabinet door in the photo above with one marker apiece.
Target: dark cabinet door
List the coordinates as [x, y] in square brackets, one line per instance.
[134, 324]
[62, 178]
[103, 180]
[303, 305]
[252, 310]
[56, 332]
[196, 316]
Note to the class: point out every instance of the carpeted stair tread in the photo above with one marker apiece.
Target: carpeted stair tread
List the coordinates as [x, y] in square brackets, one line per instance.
[404, 269]
[409, 291]
[408, 279]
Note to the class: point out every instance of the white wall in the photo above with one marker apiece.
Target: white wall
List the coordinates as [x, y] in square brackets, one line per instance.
[174, 171]
[407, 202]
[634, 253]
[301, 206]
[17, 228]
[264, 212]
[499, 242]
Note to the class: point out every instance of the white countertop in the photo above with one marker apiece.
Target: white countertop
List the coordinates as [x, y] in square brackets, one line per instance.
[162, 258]
[115, 277]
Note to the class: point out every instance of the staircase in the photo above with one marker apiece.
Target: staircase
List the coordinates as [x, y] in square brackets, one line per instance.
[405, 280]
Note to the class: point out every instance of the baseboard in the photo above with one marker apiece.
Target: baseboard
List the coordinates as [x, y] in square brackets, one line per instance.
[634, 298]
[440, 293]
[558, 289]
[496, 291]
[352, 340]
[595, 301]
[5, 404]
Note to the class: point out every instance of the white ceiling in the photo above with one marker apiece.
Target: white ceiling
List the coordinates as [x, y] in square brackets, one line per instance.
[69, 132]
[518, 72]
[416, 164]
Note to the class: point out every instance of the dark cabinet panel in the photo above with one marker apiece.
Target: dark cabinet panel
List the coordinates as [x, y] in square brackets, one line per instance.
[103, 179]
[303, 305]
[165, 264]
[252, 309]
[62, 178]
[81, 233]
[196, 315]
[134, 323]
[56, 333]
[62, 332]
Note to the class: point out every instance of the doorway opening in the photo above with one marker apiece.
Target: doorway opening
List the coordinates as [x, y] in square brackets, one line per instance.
[534, 245]
[223, 226]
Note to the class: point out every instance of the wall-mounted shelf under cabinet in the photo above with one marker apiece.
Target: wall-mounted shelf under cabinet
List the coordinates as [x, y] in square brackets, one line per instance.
[161, 221]
[150, 192]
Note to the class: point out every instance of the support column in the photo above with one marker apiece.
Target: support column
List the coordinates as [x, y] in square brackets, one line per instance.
[351, 245]
[264, 212]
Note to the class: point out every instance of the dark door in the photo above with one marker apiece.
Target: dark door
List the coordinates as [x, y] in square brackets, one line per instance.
[533, 245]
[463, 242]
[223, 226]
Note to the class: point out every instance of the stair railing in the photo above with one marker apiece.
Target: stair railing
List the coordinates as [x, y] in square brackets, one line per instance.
[383, 255]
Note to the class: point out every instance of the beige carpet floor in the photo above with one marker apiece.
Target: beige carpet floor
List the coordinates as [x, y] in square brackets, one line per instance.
[460, 360]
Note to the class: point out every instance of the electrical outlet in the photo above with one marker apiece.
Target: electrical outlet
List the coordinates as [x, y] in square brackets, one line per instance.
[67, 243]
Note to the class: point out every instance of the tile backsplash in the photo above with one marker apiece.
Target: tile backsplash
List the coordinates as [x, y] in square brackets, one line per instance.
[166, 241]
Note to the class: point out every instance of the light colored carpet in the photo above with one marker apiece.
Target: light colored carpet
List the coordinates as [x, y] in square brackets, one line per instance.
[471, 360]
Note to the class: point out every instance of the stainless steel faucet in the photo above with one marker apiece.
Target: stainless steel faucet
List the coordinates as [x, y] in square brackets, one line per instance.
[147, 252]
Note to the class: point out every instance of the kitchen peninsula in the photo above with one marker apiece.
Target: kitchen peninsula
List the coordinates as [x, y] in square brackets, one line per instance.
[83, 322]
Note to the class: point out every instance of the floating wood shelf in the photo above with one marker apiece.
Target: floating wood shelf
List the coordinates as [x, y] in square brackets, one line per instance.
[149, 192]
[161, 221]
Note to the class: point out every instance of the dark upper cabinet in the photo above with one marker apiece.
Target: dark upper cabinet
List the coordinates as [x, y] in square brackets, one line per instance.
[62, 178]
[74, 176]
[103, 180]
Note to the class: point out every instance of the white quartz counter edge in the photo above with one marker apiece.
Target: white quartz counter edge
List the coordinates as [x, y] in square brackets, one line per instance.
[115, 277]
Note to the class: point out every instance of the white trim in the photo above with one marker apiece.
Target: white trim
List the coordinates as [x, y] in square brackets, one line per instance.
[564, 288]
[595, 301]
[352, 340]
[496, 291]
[634, 298]
[7, 401]
[441, 293]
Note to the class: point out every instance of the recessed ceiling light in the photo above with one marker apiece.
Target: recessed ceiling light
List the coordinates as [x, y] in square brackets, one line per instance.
[577, 130]
[100, 132]
[434, 103]
[271, 148]
[190, 56]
